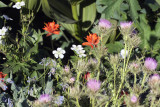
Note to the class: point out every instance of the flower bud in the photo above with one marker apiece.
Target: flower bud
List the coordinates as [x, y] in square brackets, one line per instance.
[154, 80]
[134, 99]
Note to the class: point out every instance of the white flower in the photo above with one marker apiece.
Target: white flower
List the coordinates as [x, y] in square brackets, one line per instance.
[3, 31]
[123, 53]
[18, 5]
[81, 53]
[22, 3]
[59, 53]
[76, 48]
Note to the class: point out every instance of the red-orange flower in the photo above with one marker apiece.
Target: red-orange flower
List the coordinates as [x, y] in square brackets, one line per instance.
[2, 75]
[51, 28]
[93, 40]
[87, 76]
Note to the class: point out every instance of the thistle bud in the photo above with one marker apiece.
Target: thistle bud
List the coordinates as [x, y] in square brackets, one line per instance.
[154, 80]
[126, 28]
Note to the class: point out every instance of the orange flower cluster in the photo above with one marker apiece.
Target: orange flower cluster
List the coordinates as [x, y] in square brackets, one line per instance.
[51, 28]
[2, 75]
[93, 40]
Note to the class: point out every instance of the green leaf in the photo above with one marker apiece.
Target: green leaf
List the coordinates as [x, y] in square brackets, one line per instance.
[49, 86]
[112, 8]
[69, 27]
[34, 74]
[2, 4]
[158, 1]
[145, 30]
[157, 29]
[152, 4]
[134, 7]
[158, 60]
[58, 9]
[88, 14]
[115, 47]
[33, 5]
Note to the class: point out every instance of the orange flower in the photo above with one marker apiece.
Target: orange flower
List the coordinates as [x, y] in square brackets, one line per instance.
[92, 39]
[2, 75]
[51, 28]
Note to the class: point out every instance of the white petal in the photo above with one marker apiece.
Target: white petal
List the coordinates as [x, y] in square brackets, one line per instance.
[22, 3]
[59, 49]
[54, 52]
[63, 51]
[4, 29]
[80, 55]
[73, 46]
[56, 55]
[84, 55]
[61, 56]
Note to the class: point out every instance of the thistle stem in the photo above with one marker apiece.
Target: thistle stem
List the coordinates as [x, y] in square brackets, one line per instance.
[93, 102]
[144, 77]
[135, 78]
[78, 75]
[77, 103]
[115, 79]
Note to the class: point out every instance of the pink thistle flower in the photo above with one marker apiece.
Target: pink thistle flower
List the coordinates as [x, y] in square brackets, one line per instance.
[72, 80]
[126, 25]
[135, 65]
[93, 85]
[134, 99]
[150, 63]
[105, 23]
[45, 98]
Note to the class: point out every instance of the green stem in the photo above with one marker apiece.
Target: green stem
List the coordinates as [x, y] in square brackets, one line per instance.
[152, 102]
[135, 78]
[78, 75]
[98, 68]
[123, 74]
[115, 79]
[77, 103]
[93, 102]
[144, 77]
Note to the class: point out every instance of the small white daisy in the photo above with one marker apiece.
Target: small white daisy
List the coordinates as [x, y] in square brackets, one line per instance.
[18, 5]
[76, 48]
[123, 53]
[59, 53]
[81, 53]
[3, 31]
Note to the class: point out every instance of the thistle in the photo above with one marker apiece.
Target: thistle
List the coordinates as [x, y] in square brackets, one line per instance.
[150, 64]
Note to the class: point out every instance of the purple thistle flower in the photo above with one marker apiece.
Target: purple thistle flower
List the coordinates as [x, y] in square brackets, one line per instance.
[150, 63]
[44, 98]
[105, 23]
[134, 99]
[72, 80]
[93, 85]
[126, 25]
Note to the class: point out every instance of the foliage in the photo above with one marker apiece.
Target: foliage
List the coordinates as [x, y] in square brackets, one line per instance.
[119, 63]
